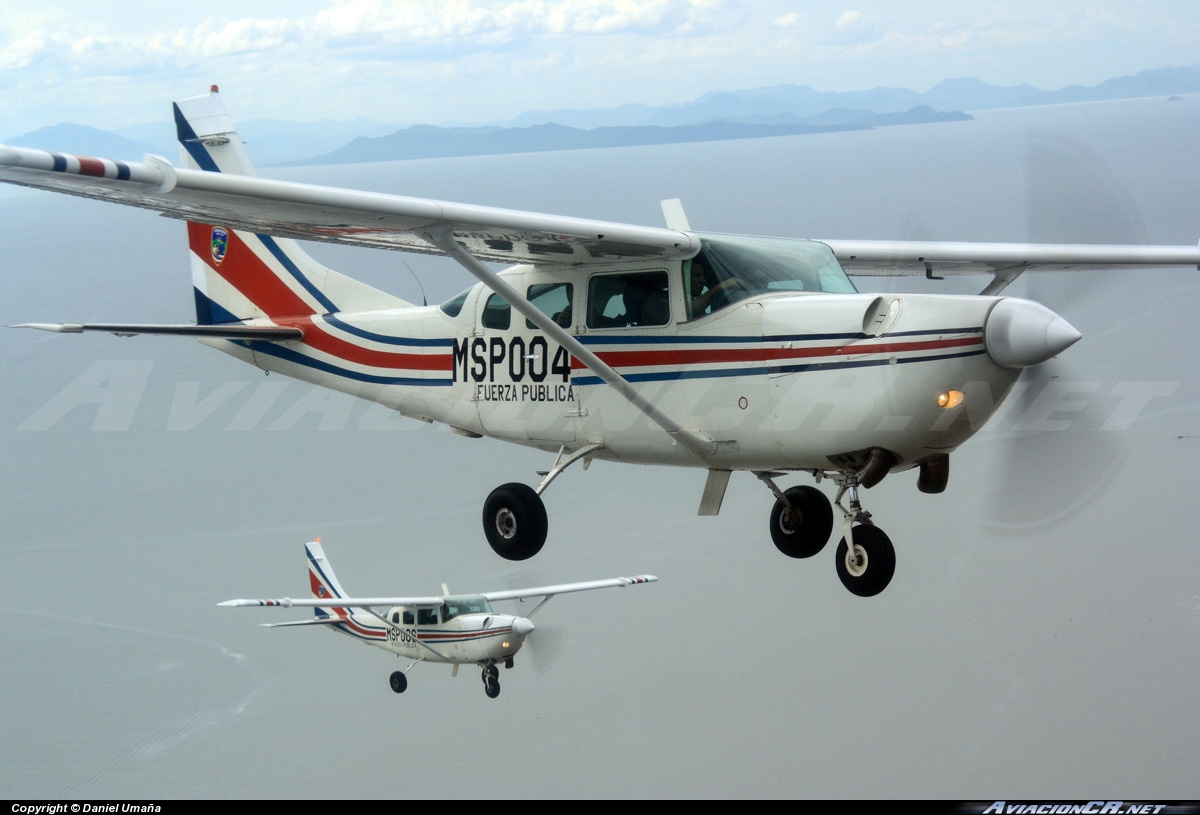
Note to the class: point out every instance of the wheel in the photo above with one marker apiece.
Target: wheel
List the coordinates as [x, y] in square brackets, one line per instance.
[514, 520]
[491, 687]
[491, 671]
[399, 681]
[867, 569]
[802, 529]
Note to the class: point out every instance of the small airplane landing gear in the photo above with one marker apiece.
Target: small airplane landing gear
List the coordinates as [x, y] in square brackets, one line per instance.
[399, 681]
[801, 522]
[866, 567]
[491, 681]
[514, 521]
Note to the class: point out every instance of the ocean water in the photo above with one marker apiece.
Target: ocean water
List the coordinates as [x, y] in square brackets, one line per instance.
[1041, 636]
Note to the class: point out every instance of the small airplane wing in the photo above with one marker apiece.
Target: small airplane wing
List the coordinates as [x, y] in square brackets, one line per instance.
[355, 217]
[341, 602]
[1005, 261]
[566, 588]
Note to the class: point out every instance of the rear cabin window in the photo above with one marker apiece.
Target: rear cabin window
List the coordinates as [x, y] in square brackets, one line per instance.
[497, 313]
[453, 306]
[627, 300]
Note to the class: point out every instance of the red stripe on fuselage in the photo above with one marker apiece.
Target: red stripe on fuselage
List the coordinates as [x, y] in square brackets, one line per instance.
[315, 337]
[701, 356]
[246, 272]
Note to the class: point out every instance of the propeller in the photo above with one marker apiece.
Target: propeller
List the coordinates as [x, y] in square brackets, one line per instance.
[1051, 464]
[544, 645]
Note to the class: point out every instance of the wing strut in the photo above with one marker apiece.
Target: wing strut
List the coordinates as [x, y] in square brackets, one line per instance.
[691, 441]
[1001, 277]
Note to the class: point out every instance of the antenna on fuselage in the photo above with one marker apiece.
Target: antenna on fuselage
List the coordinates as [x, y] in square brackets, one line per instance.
[424, 300]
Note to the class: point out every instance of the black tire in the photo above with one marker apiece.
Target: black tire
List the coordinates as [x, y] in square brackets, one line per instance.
[514, 520]
[398, 681]
[491, 687]
[802, 529]
[875, 565]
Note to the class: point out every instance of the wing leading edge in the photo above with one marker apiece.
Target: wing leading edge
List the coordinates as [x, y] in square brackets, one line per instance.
[344, 216]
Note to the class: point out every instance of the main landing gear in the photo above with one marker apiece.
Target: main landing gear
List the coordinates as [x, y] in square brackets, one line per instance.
[514, 517]
[802, 522]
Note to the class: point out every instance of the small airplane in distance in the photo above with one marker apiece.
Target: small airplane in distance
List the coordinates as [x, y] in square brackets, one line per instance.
[450, 629]
[629, 343]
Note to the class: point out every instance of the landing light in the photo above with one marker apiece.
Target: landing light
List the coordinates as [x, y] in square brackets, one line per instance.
[949, 399]
[504, 645]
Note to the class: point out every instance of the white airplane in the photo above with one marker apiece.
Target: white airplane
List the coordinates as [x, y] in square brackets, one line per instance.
[449, 629]
[629, 343]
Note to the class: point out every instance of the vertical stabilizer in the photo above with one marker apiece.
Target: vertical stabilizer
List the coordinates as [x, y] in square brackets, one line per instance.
[240, 275]
[321, 579]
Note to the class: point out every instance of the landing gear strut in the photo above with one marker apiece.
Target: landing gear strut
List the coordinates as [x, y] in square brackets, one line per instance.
[866, 564]
[802, 521]
[491, 680]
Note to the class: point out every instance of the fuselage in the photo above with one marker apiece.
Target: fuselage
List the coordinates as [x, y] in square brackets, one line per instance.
[464, 630]
[795, 378]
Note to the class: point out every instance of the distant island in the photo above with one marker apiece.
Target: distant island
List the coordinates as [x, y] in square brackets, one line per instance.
[779, 110]
[425, 141]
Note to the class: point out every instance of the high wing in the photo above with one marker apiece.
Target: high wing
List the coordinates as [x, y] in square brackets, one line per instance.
[342, 602]
[333, 215]
[1004, 261]
[566, 588]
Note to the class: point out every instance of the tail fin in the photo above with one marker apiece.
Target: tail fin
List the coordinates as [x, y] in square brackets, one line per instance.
[240, 275]
[321, 579]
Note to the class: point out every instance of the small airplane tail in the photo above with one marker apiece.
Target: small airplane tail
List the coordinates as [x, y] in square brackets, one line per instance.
[321, 579]
[240, 275]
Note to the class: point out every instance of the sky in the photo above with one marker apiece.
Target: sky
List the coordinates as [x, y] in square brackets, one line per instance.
[112, 65]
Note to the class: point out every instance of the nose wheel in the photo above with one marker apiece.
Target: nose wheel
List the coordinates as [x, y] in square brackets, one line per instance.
[866, 564]
[491, 681]
[867, 567]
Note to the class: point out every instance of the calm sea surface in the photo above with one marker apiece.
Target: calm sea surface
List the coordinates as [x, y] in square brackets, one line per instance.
[1041, 636]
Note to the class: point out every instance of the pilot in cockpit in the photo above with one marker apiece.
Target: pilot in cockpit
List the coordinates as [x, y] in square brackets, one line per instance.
[708, 293]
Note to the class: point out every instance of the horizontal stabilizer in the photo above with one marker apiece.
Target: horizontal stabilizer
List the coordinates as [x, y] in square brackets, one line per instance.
[314, 621]
[225, 332]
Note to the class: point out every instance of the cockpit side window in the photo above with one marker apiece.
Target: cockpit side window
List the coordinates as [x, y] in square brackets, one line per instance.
[427, 616]
[456, 606]
[729, 269]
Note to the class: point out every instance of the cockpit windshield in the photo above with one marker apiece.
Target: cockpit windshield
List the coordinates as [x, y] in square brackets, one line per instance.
[729, 269]
[464, 605]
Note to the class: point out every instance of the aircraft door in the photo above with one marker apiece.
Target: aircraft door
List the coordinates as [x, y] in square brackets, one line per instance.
[522, 378]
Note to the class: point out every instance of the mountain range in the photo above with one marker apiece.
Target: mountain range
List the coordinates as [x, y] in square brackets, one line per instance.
[718, 115]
